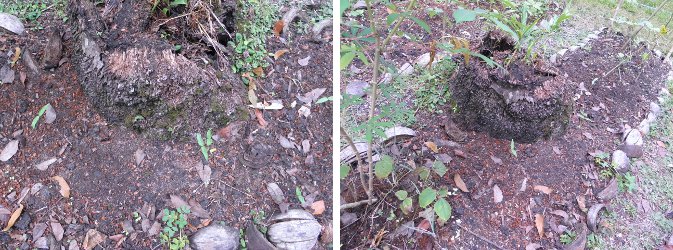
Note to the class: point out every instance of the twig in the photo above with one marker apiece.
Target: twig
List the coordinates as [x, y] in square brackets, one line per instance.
[249, 195]
[357, 203]
[359, 165]
[480, 237]
[614, 16]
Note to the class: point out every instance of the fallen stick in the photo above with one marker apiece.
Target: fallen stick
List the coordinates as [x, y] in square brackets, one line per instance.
[357, 203]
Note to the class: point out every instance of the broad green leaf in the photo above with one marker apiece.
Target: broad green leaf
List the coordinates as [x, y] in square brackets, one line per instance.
[204, 151]
[346, 59]
[443, 209]
[424, 173]
[426, 197]
[324, 99]
[344, 170]
[344, 5]
[407, 205]
[421, 23]
[209, 137]
[439, 168]
[383, 167]
[300, 196]
[199, 140]
[392, 18]
[464, 15]
[401, 195]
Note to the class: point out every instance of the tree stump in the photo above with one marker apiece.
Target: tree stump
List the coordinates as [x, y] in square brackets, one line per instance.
[526, 102]
[132, 75]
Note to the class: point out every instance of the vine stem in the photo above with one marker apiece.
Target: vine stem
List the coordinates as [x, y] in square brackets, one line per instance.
[359, 159]
[374, 82]
[642, 26]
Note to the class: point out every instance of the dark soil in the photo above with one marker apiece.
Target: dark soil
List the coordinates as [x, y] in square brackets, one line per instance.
[562, 163]
[98, 158]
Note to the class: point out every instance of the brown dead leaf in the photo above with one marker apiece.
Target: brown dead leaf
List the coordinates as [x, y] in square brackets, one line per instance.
[581, 202]
[17, 55]
[65, 188]
[15, 216]
[260, 118]
[178, 202]
[433, 52]
[57, 230]
[22, 77]
[279, 53]
[543, 189]
[460, 184]
[278, 27]
[432, 146]
[92, 239]
[318, 207]
[259, 71]
[539, 224]
[424, 224]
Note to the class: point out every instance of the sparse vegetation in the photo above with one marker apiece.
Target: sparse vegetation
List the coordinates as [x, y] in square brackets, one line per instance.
[205, 145]
[30, 11]
[173, 235]
[249, 43]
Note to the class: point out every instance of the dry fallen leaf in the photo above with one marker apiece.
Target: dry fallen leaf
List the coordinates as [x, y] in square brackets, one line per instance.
[304, 61]
[65, 188]
[57, 230]
[432, 146]
[460, 184]
[497, 194]
[533, 246]
[543, 189]
[318, 207]
[204, 172]
[539, 224]
[278, 27]
[15, 216]
[279, 53]
[259, 71]
[9, 150]
[260, 118]
[17, 55]
[92, 239]
[581, 202]
[178, 202]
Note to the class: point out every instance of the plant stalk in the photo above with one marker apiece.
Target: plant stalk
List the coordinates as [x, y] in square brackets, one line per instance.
[359, 159]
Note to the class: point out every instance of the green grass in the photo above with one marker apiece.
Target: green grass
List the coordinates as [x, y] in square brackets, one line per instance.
[30, 11]
[601, 11]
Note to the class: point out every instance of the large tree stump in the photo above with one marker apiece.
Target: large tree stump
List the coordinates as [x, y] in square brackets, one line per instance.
[133, 76]
[524, 103]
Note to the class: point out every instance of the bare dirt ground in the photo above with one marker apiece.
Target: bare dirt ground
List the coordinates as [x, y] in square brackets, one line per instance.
[562, 164]
[98, 160]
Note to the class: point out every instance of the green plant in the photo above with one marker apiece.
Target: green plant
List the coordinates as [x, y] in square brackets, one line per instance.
[243, 243]
[258, 18]
[257, 218]
[593, 242]
[433, 11]
[172, 234]
[167, 5]
[567, 237]
[512, 148]
[433, 90]
[136, 217]
[31, 11]
[39, 114]
[205, 145]
[627, 182]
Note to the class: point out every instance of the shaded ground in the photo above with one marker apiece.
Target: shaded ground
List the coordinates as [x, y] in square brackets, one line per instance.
[98, 159]
[562, 164]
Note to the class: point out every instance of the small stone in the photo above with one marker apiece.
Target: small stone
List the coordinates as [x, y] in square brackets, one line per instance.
[296, 229]
[6, 74]
[215, 237]
[422, 60]
[562, 52]
[552, 59]
[573, 48]
[359, 5]
[655, 108]
[644, 127]
[11, 23]
[406, 69]
[50, 114]
[592, 36]
[632, 151]
[357, 88]
[633, 137]
[620, 161]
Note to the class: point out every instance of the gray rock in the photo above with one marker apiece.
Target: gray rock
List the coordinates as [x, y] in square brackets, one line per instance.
[11, 23]
[552, 59]
[620, 161]
[406, 69]
[359, 5]
[655, 108]
[6, 74]
[644, 127]
[633, 137]
[592, 36]
[562, 52]
[296, 229]
[632, 151]
[573, 48]
[357, 88]
[215, 237]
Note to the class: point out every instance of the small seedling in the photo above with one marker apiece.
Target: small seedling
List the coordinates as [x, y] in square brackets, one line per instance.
[584, 116]
[567, 237]
[205, 146]
[39, 114]
[136, 217]
[300, 196]
[627, 182]
[175, 222]
[512, 148]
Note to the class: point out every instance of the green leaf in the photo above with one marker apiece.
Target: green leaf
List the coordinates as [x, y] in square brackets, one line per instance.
[383, 167]
[401, 195]
[209, 137]
[345, 4]
[464, 15]
[344, 170]
[346, 59]
[443, 209]
[421, 23]
[300, 196]
[443, 192]
[39, 114]
[426, 197]
[199, 140]
[439, 168]
[407, 205]
[204, 151]
[324, 99]
[392, 18]
[512, 148]
[424, 173]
